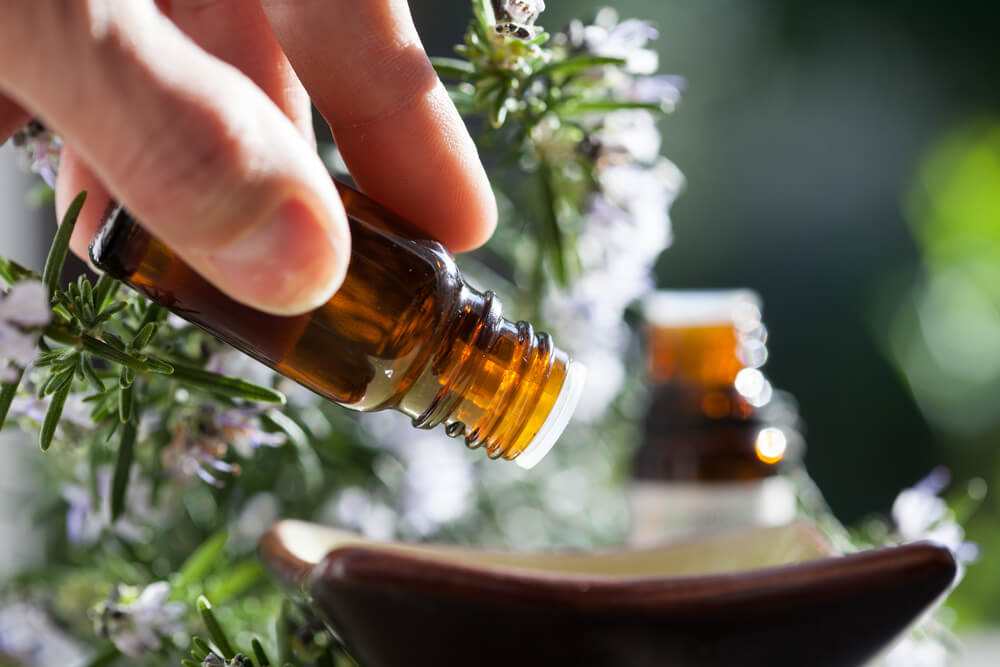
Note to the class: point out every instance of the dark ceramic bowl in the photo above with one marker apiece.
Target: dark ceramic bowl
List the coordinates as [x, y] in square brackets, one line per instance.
[772, 596]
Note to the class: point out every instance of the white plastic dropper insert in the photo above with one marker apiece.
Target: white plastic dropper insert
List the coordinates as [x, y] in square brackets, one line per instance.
[558, 417]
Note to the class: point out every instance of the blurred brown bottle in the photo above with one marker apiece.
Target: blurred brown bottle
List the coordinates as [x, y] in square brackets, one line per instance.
[716, 436]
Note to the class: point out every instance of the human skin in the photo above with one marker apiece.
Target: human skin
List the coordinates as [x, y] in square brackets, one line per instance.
[195, 114]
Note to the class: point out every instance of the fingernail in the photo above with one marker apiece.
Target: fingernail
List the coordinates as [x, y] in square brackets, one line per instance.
[285, 265]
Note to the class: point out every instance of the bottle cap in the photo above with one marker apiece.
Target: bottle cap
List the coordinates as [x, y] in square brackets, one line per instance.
[559, 416]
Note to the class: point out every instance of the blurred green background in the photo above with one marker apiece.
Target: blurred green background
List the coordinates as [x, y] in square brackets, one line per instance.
[820, 140]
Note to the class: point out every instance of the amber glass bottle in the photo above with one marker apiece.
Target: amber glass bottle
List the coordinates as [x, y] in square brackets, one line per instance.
[716, 435]
[403, 332]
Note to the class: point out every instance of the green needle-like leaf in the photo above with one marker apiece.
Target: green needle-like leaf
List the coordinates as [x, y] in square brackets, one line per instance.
[104, 290]
[7, 392]
[141, 339]
[453, 68]
[571, 108]
[60, 245]
[100, 349]
[53, 414]
[91, 375]
[126, 402]
[110, 312]
[159, 366]
[237, 580]
[214, 629]
[199, 562]
[577, 64]
[283, 633]
[188, 662]
[201, 649]
[226, 386]
[123, 464]
[259, 654]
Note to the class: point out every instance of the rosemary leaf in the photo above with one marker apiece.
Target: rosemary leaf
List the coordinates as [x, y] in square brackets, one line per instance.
[214, 629]
[91, 375]
[7, 392]
[259, 653]
[572, 108]
[226, 386]
[141, 339]
[159, 366]
[126, 401]
[102, 350]
[199, 562]
[453, 68]
[201, 649]
[577, 64]
[103, 291]
[60, 245]
[53, 414]
[123, 464]
[110, 312]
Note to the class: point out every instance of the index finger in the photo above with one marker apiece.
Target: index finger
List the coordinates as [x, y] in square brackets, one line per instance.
[402, 138]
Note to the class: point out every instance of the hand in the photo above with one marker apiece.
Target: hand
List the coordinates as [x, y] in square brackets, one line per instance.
[194, 115]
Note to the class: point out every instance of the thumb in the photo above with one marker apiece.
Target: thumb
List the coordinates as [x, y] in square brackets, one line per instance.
[191, 146]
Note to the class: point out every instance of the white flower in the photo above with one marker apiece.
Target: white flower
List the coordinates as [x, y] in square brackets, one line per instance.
[26, 305]
[918, 513]
[523, 11]
[137, 622]
[75, 412]
[917, 652]
[625, 40]
[662, 89]
[628, 135]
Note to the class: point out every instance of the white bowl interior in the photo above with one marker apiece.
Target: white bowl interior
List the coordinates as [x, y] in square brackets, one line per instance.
[724, 552]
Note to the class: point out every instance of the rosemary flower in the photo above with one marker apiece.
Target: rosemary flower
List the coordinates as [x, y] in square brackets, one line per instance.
[22, 310]
[28, 637]
[40, 150]
[88, 517]
[138, 621]
[187, 458]
[919, 513]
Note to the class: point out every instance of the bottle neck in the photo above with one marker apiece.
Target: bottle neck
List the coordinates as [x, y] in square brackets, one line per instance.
[495, 382]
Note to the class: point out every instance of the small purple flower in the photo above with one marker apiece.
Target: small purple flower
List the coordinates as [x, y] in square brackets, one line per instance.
[187, 459]
[87, 517]
[29, 637]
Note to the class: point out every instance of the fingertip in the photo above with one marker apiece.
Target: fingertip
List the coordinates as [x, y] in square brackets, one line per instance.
[477, 220]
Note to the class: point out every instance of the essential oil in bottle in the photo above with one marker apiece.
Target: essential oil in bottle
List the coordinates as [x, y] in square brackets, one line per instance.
[716, 435]
[404, 332]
